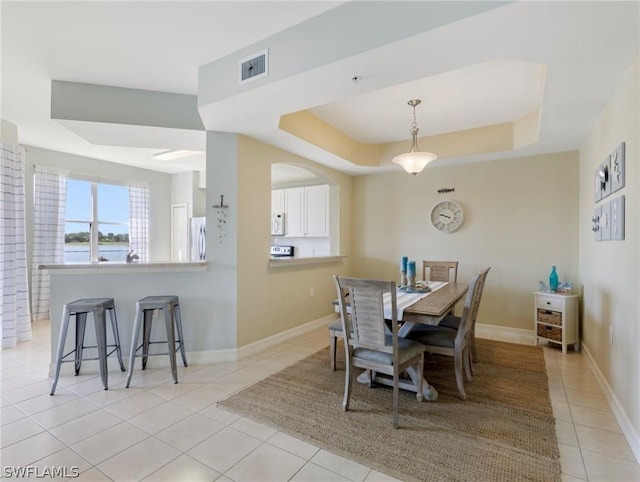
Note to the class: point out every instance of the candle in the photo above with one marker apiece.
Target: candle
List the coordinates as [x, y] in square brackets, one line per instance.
[411, 269]
[403, 264]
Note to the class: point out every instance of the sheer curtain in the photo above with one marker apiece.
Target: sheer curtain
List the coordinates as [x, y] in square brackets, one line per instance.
[139, 220]
[14, 288]
[50, 197]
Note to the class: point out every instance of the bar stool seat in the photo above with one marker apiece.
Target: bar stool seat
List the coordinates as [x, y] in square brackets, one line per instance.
[80, 309]
[145, 308]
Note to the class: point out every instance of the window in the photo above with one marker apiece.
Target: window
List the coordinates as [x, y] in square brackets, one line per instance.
[96, 222]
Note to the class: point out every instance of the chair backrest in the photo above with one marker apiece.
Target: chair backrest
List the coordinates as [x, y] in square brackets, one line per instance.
[483, 279]
[471, 303]
[440, 271]
[365, 302]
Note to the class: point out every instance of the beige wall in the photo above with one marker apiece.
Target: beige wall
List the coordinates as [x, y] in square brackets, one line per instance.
[272, 300]
[609, 270]
[520, 218]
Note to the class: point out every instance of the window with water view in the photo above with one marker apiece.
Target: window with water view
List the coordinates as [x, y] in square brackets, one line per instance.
[96, 222]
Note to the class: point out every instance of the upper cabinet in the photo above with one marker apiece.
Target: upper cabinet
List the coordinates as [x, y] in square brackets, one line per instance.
[306, 211]
[277, 201]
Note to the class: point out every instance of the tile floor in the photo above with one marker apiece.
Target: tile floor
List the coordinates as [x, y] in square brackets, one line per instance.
[158, 431]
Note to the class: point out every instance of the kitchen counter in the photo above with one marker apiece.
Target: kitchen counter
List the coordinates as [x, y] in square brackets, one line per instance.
[150, 267]
[284, 262]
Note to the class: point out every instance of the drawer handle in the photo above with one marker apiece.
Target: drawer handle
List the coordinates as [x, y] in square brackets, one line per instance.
[548, 302]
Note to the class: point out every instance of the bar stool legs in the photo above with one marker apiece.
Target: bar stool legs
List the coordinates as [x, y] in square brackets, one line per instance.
[145, 309]
[80, 308]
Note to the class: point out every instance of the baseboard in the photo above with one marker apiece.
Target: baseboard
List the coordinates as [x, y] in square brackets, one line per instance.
[257, 346]
[618, 411]
[503, 333]
[207, 356]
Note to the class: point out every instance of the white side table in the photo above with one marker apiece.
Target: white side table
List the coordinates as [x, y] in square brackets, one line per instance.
[556, 319]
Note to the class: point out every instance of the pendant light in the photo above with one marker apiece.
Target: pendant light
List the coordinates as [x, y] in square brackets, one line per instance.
[414, 161]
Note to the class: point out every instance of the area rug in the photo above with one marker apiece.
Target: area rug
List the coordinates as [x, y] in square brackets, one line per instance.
[504, 431]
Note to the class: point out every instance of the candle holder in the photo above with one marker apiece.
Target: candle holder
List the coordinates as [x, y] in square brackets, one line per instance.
[411, 281]
[403, 278]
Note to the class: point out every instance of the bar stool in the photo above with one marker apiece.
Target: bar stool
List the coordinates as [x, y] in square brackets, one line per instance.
[145, 308]
[80, 309]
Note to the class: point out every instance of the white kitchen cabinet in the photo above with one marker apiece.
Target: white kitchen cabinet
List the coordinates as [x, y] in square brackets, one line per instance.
[556, 319]
[307, 211]
[277, 201]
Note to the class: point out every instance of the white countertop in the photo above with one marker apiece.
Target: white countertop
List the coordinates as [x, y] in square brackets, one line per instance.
[106, 267]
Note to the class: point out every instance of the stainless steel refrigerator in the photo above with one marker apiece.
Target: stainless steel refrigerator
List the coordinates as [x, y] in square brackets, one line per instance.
[198, 239]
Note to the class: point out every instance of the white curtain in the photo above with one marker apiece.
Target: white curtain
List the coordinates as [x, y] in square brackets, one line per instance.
[50, 198]
[139, 220]
[14, 288]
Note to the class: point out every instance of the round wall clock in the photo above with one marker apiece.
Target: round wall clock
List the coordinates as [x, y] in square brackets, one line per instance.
[447, 216]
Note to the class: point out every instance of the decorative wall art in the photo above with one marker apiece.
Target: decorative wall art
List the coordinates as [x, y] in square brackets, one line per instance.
[608, 218]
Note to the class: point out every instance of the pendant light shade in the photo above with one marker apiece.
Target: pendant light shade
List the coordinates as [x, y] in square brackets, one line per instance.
[414, 161]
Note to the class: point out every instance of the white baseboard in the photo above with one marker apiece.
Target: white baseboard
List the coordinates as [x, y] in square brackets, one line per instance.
[207, 356]
[256, 346]
[618, 411]
[503, 333]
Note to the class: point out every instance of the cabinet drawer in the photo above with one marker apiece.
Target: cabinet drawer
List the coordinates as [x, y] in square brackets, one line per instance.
[549, 316]
[549, 303]
[550, 332]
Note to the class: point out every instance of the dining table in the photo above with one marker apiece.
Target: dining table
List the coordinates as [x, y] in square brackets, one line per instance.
[414, 308]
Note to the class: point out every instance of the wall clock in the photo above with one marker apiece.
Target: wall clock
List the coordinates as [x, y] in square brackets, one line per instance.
[447, 216]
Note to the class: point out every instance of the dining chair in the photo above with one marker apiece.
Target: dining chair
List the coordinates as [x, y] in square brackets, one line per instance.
[456, 343]
[452, 321]
[440, 271]
[370, 344]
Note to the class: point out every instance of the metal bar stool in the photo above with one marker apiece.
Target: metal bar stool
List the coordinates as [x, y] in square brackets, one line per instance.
[145, 309]
[80, 309]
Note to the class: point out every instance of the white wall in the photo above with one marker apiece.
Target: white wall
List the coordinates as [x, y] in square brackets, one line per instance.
[521, 216]
[610, 271]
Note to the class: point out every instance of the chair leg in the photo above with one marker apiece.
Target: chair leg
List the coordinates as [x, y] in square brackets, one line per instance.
[116, 336]
[467, 363]
[396, 395]
[169, 324]
[178, 317]
[134, 341]
[332, 351]
[459, 375]
[347, 384]
[100, 323]
[64, 327]
[81, 323]
[474, 353]
[146, 335]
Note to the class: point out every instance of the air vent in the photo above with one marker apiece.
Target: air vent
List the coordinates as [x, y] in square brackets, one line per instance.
[254, 66]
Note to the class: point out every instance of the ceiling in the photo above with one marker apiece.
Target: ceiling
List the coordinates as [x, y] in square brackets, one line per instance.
[556, 64]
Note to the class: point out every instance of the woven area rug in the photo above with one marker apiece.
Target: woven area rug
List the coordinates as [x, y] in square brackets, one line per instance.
[504, 431]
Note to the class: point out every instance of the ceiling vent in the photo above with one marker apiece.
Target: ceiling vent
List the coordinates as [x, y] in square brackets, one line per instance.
[254, 66]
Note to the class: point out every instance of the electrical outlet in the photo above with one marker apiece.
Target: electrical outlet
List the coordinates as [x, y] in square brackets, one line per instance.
[611, 334]
[312, 291]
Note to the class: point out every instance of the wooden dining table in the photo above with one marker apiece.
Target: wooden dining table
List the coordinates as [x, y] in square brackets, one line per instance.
[429, 310]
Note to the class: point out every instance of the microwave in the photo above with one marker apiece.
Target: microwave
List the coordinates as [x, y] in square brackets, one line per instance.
[277, 224]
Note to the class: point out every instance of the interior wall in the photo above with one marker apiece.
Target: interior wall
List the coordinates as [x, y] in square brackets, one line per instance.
[8, 132]
[272, 300]
[610, 270]
[521, 216]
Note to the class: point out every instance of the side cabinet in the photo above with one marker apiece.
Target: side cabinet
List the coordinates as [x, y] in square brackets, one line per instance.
[556, 319]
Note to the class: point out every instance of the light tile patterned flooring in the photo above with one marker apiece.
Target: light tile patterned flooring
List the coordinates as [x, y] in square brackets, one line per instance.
[159, 431]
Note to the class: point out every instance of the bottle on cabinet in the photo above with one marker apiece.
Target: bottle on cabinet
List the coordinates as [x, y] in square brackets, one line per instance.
[553, 279]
